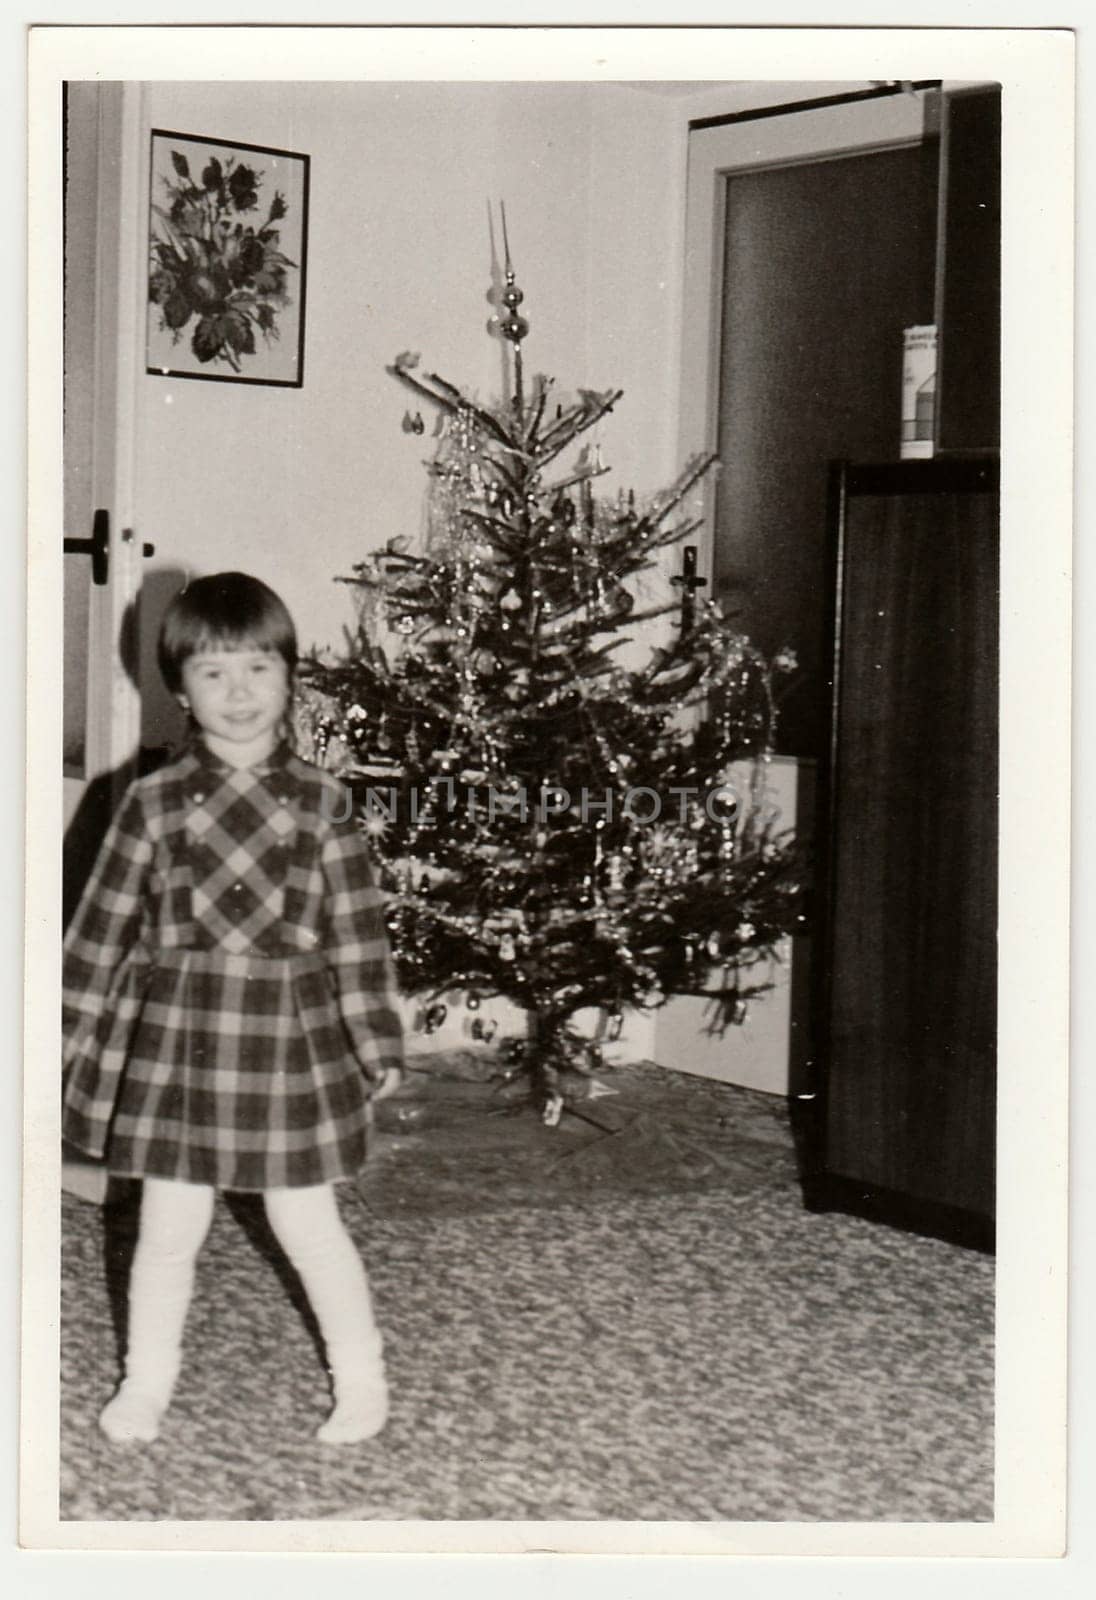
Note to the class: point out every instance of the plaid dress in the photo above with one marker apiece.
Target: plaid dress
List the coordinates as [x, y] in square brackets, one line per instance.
[227, 987]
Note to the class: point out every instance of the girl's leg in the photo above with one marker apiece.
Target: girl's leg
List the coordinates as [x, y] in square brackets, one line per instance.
[309, 1229]
[175, 1219]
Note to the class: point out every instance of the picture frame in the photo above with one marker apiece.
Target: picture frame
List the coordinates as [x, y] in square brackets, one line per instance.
[227, 244]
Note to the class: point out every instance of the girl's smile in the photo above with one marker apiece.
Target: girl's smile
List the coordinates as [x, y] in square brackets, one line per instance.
[238, 698]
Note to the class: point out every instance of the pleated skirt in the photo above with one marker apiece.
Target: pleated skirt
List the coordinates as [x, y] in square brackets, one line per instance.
[223, 1069]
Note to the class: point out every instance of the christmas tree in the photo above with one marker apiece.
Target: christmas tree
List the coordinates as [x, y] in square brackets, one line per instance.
[553, 828]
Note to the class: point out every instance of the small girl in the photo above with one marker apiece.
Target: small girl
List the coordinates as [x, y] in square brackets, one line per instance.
[227, 1003]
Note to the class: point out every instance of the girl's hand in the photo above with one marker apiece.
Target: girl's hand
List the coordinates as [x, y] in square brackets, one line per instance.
[392, 1080]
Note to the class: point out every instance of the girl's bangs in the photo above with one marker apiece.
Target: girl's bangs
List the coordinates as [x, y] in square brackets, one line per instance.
[233, 640]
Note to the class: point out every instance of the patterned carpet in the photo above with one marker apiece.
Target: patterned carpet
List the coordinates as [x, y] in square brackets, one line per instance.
[636, 1324]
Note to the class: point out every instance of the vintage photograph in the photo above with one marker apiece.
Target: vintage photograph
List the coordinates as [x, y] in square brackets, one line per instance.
[531, 800]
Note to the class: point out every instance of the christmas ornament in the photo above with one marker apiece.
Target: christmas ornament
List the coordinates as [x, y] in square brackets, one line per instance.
[512, 326]
[435, 1016]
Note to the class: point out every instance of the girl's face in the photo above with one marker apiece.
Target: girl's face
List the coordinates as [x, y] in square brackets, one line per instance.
[238, 698]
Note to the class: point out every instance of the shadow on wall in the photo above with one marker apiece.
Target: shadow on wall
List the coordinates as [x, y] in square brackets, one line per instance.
[162, 723]
[162, 728]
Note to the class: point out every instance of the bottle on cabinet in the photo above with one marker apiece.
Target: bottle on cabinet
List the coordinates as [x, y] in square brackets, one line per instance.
[918, 393]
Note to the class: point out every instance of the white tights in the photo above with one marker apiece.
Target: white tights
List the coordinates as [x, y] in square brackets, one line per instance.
[175, 1219]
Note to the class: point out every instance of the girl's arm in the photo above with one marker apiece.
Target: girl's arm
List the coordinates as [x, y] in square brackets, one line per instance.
[106, 925]
[359, 956]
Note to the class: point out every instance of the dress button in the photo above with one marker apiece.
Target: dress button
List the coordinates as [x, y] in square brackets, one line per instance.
[198, 797]
[237, 888]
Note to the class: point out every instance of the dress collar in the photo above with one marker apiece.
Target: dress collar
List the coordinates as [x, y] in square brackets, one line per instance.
[276, 762]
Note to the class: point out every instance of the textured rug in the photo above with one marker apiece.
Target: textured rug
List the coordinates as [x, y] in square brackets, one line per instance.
[628, 1317]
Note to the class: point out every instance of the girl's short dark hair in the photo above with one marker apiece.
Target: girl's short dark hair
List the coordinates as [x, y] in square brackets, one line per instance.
[227, 611]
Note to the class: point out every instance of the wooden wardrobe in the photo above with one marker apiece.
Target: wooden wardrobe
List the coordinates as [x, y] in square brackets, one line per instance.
[902, 1108]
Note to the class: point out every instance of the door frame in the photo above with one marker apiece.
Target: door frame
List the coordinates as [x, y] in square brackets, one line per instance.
[852, 119]
[113, 710]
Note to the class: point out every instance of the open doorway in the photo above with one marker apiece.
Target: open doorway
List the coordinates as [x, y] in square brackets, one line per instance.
[825, 263]
[811, 244]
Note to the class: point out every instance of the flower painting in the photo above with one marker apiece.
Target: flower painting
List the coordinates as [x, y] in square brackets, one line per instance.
[227, 236]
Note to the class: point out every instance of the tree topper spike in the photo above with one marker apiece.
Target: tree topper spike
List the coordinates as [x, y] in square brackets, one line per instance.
[512, 325]
[506, 242]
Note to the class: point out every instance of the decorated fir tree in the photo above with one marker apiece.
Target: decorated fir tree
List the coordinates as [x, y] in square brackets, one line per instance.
[553, 828]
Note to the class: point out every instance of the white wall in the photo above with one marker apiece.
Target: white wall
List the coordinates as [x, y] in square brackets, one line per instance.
[296, 484]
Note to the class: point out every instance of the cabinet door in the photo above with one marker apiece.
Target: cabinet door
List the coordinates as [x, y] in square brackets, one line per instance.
[909, 1008]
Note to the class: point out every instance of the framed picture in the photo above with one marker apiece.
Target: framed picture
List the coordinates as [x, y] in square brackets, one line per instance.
[228, 230]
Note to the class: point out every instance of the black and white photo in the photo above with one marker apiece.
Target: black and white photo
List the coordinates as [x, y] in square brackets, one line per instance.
[543, 735]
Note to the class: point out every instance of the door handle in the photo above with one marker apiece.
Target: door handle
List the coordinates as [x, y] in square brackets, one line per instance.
[97, 547]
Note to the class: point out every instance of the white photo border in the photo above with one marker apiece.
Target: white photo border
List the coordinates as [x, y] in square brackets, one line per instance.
[1035, 68]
